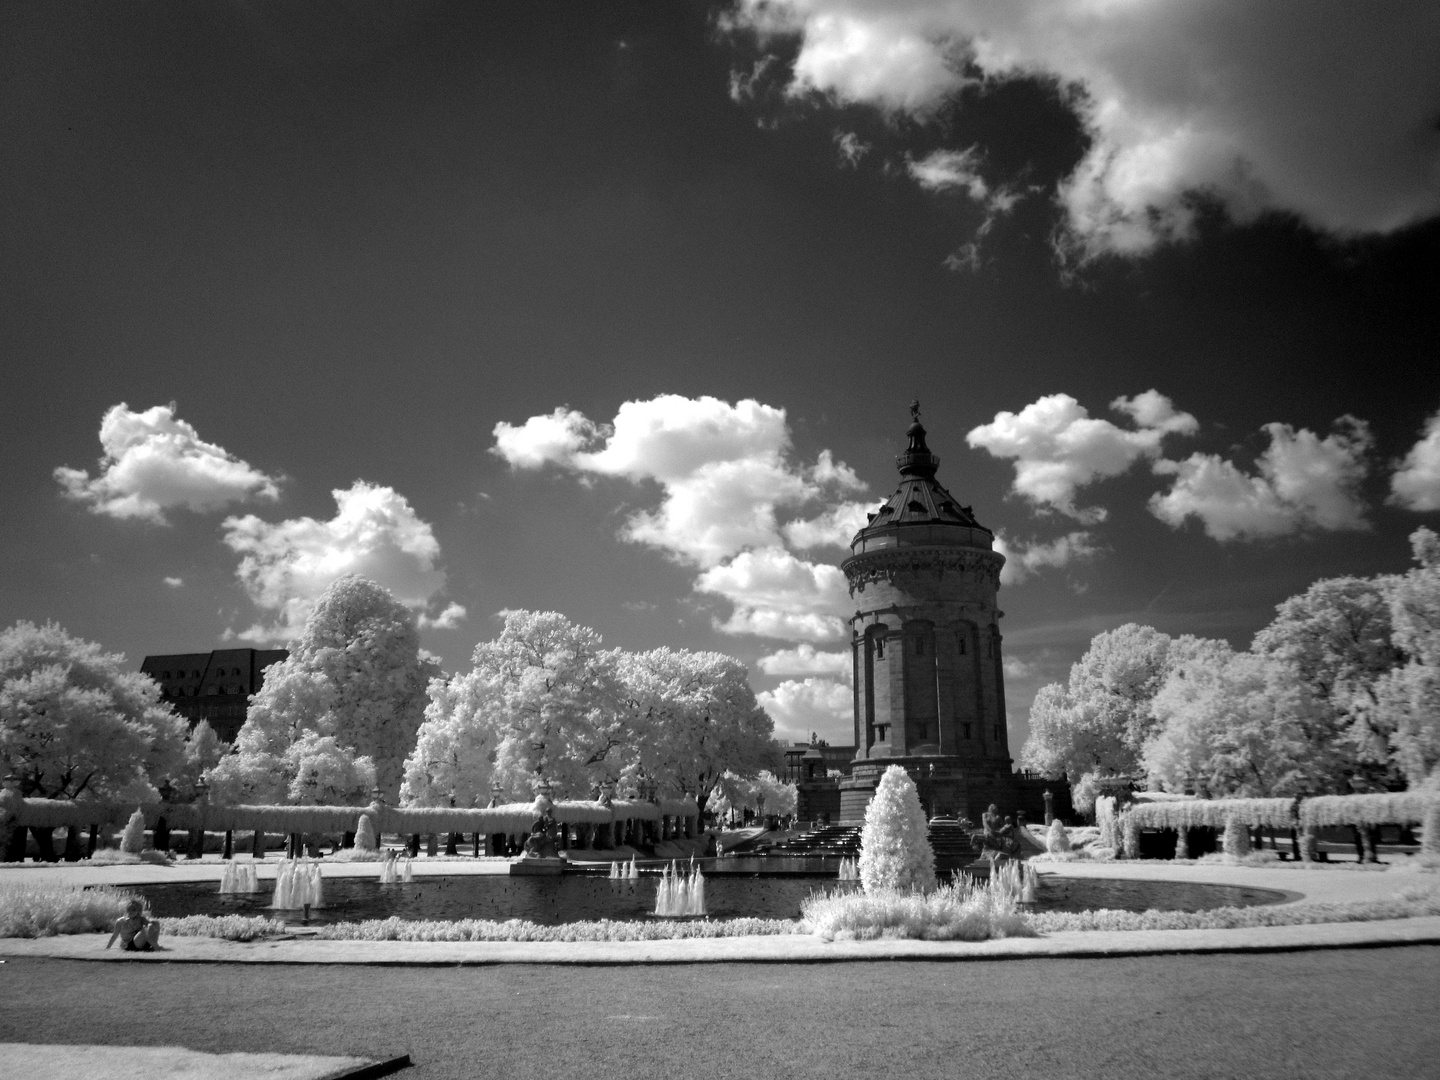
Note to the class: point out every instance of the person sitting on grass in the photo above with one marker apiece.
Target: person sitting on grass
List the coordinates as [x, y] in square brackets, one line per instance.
[135, 931]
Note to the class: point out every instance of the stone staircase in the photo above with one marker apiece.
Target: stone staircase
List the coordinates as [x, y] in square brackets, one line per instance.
[841, 840]
[951, 843]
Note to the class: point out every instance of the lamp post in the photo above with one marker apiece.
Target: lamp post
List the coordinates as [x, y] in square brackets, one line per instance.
[197, 839]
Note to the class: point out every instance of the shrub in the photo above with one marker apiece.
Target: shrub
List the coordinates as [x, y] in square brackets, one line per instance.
[132, 841]
[1411, 903]
[37, 910]
[1057, 839]
[394, 929]
[960, 911]
[365, 839]
[228, 927]
[894, 851]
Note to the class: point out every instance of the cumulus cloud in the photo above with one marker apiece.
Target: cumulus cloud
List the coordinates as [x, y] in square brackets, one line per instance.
[1025, 560]
[1310, 109]
[836, 527]
[805, 659]
[1415, 484]
[285, 566]
[154, 462]
[174, 582]
[1058, 447]
[453, 615]
[799, 707]
[724, 472]
[1302, 482]
[775, 594]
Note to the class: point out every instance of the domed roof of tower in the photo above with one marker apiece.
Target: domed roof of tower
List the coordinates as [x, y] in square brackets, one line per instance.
[919, 501]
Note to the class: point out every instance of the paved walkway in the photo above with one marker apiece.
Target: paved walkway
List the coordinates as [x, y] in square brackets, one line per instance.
[1328, 883]
[1339, 1013]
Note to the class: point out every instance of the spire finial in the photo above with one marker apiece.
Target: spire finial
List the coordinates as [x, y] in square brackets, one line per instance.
[915, 409]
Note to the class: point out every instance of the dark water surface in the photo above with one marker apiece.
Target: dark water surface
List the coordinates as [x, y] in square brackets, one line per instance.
[575, 897]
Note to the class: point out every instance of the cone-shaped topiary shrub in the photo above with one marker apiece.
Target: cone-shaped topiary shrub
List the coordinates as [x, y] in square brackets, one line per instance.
[894, 850]
[132, 840]
[365, 834]
[1057, 839]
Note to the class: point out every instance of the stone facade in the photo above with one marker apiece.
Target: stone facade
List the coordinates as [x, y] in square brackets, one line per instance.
[214, 686]
[927, 650]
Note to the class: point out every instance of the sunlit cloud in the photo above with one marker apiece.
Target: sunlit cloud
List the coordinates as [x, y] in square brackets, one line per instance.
[1058, 448]
[286, 565]
[818, 705]
[1301, 482]
[153, 462]
[1304, 109]
[1415, 484]
[725, 472]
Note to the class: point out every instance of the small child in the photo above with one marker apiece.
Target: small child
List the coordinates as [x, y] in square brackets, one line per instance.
[135, 931]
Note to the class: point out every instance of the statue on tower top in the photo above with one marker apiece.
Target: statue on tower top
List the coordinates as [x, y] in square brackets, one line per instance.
[915, 409]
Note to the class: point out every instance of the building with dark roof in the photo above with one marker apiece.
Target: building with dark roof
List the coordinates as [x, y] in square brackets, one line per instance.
[214, 686]
[926, 647]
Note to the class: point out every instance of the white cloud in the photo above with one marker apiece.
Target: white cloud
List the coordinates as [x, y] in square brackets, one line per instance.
[1318, 110]
[775, 594]
[851, 148]
[1058, 447]
[724, 472]
[174, 582]
[1303, 482]
[285, 566]
[1025, 560]
[541, 440]
[836, 527]
[453, 615]
[805, 659]
[154, 462]
[823, 706]
[1016, 668]
[947, 169]
[1415, 484]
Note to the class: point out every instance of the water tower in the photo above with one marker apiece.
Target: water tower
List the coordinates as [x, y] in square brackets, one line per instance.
[925, 638]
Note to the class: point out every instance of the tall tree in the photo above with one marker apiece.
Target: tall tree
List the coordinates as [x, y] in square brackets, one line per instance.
[1407, 699]
[1334, 642]
[1099, 723]
[1223, 731]
[355, 675]
[74, 723]
[543, 703]
[699, 719]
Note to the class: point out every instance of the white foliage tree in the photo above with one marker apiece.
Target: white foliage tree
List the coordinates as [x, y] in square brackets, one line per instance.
[543, 703]
[895, 852]
[74, 723]
[695, 719]
[354, 676]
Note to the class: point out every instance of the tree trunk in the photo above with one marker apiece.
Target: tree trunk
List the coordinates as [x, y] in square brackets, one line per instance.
[414, 845]
[15, 847]
[348, 840]
[452, 844]
[72, 843]
[229, 852]
[94, 839]
[45, 841]
[257, 844]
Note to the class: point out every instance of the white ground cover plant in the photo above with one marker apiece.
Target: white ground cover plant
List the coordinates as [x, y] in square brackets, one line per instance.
[895, 853]
[1407, 904]
[960, 911]
[228, 927]
[33, 909]
[394, 929]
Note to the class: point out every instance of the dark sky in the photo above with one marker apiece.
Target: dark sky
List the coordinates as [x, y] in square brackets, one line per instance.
[348, 240]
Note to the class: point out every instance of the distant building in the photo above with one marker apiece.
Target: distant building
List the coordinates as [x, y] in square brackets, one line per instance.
[214, 686]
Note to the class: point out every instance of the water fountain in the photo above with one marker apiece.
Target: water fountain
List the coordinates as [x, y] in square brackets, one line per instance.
[393, 871]
[298, 885]
[849, 869]
[239, 878]
[680, 894]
